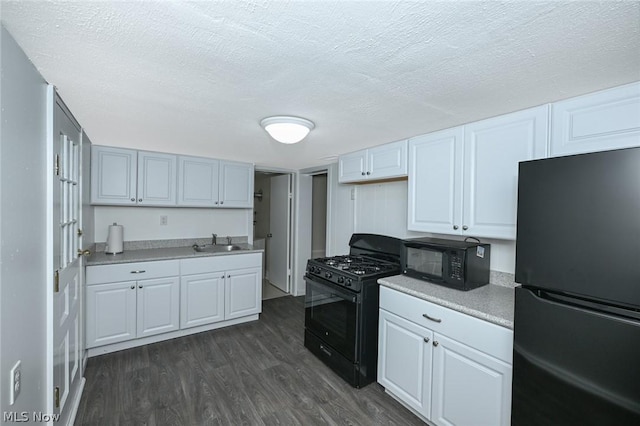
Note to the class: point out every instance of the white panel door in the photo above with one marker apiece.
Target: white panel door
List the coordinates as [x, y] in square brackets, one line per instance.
[65, 310]
[404, 361]
[111, 313]
[236, 184]
[243, 293]
[352, 167]
[201, 299]
[158, 309]
[435, 182]
[279, 237]
[113, 175]
[387, 161]
[600, 121]
[492, 151]
[156, 179]
[470, 388]
[198, 184]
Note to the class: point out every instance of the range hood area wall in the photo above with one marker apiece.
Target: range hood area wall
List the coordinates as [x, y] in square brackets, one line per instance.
[143, 223]
[382, 209]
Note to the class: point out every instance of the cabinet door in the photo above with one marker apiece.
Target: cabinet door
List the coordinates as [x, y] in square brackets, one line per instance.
[113, 176]
[158, 306]
[236, 184]
[404, 361]
[469, 387]
[201, 299]
[435, 182]
[493, 149]
[198, 184]
[156, 179]
[387, 161]
[243, 293]
[600, 121]
[352, 167]
[110, 313]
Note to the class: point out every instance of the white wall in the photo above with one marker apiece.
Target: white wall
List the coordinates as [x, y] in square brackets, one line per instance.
[143, 223]
[382, 209]
[23, 209]
[340, 213]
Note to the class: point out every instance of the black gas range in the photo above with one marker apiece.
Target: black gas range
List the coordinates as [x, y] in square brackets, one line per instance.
[341, 305]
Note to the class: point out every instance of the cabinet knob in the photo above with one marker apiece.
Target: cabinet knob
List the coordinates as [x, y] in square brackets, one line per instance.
[221, 202]
[79, 232]
[139, 200]
[455, 226]
[215, 202]
[133, 287]
[362, 173]
[228, 276]
[368, 173]
[465, 227]
[133, 199]
[222, 277]
[435, 343]
[426, 340]
[139, 286]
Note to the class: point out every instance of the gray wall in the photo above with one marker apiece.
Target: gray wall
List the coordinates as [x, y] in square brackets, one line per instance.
[319, 216]
[22, 227]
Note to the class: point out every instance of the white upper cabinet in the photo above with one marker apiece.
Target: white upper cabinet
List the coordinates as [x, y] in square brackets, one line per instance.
[600, 121]
[127, 177]
[381, 162]
[492, 150]
[113, 175]
[435, 181]
[198, 181]
[236, 184]
[156, 179]
[140, 178]
[464, 181]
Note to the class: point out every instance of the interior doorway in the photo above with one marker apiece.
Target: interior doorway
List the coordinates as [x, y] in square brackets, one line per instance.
[319, 216]
[272, 230]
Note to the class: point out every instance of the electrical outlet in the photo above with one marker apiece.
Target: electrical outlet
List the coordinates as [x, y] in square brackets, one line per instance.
[353, 193]
[164, 219]
[15, 377]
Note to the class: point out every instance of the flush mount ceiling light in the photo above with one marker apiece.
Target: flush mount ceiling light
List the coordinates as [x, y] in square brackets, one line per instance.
[287, 129]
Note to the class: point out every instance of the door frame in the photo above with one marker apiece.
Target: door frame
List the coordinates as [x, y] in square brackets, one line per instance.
[52, 100]
[292, 241]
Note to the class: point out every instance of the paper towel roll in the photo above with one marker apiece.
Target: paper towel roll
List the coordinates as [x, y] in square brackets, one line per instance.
[115, 243]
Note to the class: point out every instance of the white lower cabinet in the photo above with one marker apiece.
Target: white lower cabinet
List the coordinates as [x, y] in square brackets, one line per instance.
[220, 295]
[165, 299]
[453, 372]
[119, 309]
[202, 299]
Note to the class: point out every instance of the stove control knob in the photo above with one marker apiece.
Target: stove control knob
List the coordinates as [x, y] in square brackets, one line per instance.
[327, 275]
[340, 280]
[349, 281]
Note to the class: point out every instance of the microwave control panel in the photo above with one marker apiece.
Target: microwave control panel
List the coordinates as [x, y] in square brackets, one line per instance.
[455, 266]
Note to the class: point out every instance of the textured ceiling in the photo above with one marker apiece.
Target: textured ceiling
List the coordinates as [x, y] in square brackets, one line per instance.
[197, 77]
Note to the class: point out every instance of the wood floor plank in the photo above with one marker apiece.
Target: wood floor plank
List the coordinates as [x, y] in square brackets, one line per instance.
[257, 373]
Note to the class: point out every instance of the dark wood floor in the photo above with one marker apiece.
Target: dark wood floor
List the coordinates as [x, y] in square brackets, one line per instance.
[257, 373]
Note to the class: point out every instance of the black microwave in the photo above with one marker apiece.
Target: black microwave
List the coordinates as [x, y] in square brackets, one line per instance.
[457, 264]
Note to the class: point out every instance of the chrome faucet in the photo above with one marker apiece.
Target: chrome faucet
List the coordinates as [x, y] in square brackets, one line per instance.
[229, 240]
[213, 239]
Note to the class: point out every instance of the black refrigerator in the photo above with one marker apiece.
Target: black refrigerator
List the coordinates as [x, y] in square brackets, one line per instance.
[576, 354]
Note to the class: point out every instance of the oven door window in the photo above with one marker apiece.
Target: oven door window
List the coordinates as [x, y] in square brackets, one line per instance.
[424, 261]
[331, 314]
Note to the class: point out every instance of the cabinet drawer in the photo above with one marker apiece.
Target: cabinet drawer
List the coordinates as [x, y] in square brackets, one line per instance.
[131, 271]
[205, 265]
[489, 338]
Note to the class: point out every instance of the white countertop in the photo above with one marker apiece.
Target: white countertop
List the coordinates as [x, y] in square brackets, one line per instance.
[493, 303]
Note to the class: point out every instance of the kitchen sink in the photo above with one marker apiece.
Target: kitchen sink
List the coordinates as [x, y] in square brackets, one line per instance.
[213, 248]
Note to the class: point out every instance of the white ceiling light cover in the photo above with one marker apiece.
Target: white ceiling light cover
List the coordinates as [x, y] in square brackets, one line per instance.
[287, 129]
